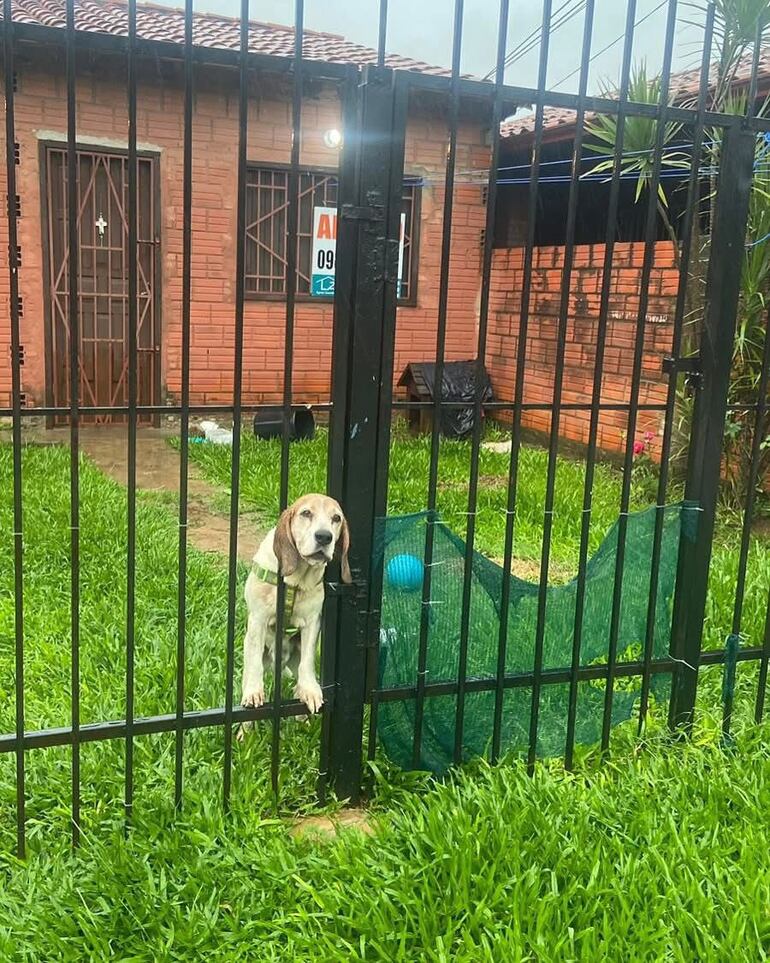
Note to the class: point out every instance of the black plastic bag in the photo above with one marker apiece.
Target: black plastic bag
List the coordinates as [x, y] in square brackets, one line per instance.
[458, 383]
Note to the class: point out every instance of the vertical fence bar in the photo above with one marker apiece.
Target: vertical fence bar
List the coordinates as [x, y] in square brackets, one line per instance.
[481, 352]
[518, 395]
[734, 639]
[751, 96]
[561, 348]
[691, 215]
[288, 366]
[705, 456]
[760, 428]
[184, 422]
[74, 361]
[347, 193]
[650, 235]
[759, 708]
[438, 376]
[366, 240]
[390, 298]
[235, 468]
[18, 535]
[596, 393]
[132, 413]
[382, 37]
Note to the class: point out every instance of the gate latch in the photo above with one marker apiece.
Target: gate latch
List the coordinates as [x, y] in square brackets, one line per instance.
[356, 593]
[691, 367]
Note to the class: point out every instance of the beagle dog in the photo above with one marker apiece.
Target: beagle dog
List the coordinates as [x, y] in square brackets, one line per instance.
[302, 544]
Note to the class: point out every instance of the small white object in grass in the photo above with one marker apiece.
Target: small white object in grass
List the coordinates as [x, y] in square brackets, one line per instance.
[501, 447]
[215, 434]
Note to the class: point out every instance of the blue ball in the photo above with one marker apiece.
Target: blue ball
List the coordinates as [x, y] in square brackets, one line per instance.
[405, 573]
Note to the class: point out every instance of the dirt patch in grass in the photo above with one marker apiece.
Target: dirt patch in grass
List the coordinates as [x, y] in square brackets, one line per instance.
[327, 827]
[528, 569]
[761, 527]
[157, 471]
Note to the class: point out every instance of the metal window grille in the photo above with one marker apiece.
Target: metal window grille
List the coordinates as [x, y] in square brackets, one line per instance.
[266, 229]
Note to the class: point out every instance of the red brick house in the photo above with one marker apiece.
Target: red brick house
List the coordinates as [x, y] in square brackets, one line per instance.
[511, 228]
[41, 119]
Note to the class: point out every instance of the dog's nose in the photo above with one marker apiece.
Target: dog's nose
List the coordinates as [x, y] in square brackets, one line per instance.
[323, 537]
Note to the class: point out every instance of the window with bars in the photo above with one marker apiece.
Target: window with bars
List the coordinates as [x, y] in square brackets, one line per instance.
[266, 226]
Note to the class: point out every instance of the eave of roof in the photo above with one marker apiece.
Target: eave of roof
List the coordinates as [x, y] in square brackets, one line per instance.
[559, 122]
[166, 24]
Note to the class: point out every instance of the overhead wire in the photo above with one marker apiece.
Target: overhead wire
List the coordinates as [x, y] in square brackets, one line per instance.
[561, 16]
[612, 43]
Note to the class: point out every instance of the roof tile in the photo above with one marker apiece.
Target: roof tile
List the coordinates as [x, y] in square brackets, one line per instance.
[154, 22]
[684, 86]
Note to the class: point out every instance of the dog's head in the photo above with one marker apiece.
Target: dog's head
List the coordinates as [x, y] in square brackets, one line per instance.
[312, 530]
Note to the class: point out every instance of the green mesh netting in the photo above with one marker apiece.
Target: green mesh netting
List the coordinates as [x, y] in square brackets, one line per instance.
[400, 635]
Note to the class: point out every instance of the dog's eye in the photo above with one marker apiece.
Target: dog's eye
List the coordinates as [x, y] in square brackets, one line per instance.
[306, 513]
[336, 519]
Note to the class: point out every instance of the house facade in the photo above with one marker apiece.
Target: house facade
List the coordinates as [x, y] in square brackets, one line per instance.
[583, 306]
[40, 131]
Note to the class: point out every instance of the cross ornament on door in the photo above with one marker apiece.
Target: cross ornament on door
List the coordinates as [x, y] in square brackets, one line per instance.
[101, 224]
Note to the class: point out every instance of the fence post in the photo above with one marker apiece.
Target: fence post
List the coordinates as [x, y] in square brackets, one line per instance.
[704, 462]
[369, 207]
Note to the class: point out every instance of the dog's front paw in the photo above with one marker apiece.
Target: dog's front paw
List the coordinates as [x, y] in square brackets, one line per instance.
[310, 693]
[253, 698]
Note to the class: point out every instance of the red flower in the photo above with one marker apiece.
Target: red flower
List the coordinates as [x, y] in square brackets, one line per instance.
[639, 447]
[648, 436]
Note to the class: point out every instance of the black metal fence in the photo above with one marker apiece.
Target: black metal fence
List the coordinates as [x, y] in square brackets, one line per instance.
[375, 101]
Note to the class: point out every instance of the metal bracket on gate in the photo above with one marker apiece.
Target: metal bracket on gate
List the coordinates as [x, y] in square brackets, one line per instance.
[356, 592]
[353, 212]
[691, 367]
[357, 588]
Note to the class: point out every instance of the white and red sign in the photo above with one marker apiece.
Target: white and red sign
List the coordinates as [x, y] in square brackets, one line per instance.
[324, 253]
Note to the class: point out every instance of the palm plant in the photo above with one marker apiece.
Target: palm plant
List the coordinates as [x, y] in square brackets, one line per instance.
[639, 142]
[737, 24]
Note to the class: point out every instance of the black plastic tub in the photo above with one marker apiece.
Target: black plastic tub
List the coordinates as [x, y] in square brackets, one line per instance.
[268, 423]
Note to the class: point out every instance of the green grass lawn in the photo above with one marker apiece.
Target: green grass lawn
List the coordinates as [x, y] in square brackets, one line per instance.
[102, 654]
[660, 855]
[409, 462]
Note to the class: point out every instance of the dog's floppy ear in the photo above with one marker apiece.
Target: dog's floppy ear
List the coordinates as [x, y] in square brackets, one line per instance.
[283, 544]
[343, 547]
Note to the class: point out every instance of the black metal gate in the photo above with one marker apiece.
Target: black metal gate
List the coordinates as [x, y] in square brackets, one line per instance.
[369, 241]
[375, 102]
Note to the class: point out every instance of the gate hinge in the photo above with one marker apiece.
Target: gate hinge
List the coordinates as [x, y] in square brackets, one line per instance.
[352, 212]
[373, 637]
[691, 367]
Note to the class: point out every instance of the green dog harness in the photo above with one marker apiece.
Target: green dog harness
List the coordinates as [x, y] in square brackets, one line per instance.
[271, 578]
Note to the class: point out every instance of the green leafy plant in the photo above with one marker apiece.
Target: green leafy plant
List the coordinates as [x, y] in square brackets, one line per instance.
[639, 141]
[645, 468]
[735, 29]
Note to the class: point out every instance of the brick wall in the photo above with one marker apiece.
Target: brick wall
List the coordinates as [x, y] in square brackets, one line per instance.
[101, 119]
[582, 325]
